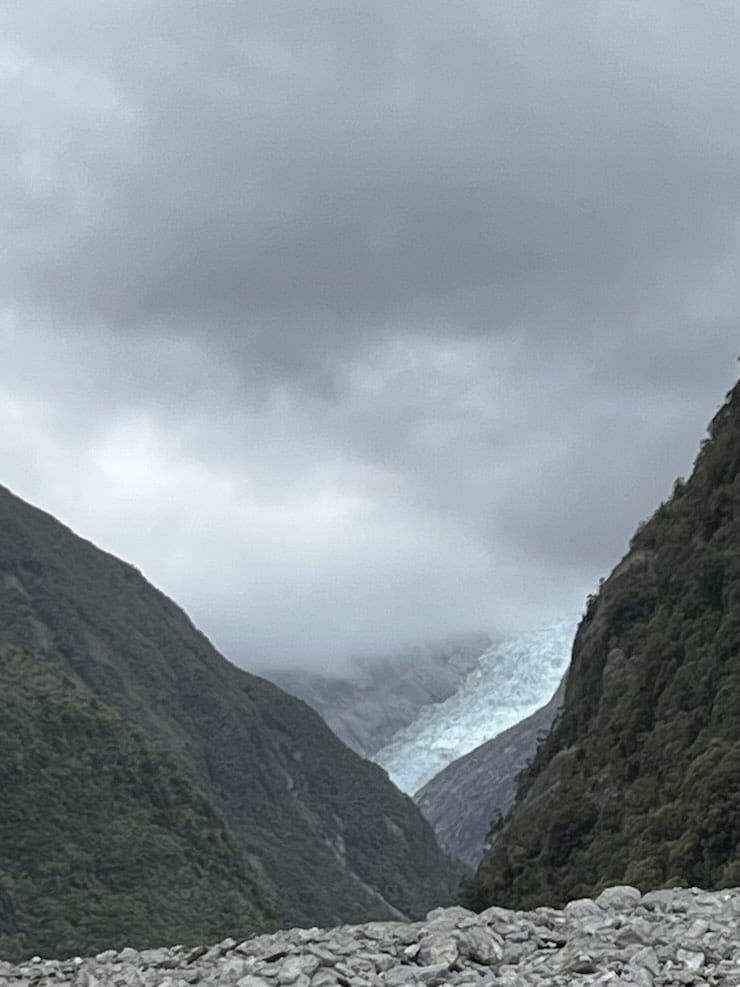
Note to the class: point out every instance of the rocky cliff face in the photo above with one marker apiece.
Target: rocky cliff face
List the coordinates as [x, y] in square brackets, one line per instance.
[638, 782]
[464, 797]
[317, 830]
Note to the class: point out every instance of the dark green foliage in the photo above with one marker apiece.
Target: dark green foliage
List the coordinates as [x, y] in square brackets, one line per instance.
[103, 842]
[327, 835]
[639, 781]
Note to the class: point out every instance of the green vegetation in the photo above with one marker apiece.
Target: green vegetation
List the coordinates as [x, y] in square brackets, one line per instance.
[639, 781]
[103, 842]
[320, 831]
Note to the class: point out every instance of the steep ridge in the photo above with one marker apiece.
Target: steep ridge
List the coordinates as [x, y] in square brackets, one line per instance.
[103, 841]
[510, 681]
[322, 830]
[638, 781]
[464, 797]
[373, 698]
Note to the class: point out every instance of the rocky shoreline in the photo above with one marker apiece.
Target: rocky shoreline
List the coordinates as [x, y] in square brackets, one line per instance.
[662, 938]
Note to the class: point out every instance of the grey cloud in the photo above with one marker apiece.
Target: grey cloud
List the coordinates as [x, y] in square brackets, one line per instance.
[362, 322]
[291, 183]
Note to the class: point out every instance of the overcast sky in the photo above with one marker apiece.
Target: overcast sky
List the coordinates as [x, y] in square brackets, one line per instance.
[359, 324]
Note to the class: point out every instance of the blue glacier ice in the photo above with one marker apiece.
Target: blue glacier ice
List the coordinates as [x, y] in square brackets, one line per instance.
[511, 680]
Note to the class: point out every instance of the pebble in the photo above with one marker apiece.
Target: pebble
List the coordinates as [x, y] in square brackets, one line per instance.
[621, 939]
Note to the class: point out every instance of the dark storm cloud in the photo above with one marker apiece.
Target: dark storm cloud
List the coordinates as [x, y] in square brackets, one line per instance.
[292, 180]
[403, 312]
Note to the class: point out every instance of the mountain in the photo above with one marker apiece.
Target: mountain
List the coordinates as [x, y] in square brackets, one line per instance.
[317, 830]
[102, 839]
[510, 681]
[638, 781]
[369, 701]
[464, 797]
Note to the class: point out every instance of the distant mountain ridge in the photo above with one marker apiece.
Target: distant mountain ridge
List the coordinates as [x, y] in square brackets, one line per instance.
[638, 783]
[321, 836]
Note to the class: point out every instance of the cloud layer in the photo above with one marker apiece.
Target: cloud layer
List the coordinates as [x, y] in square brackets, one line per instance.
[360, 323]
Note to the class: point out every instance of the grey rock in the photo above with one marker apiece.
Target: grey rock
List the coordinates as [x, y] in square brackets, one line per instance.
[437, 973]
[698, 928]
[435, 949]
[693, 961]
[646, 959]
[575, 958]
[126, 955]
[448, 917]
[640, 976]
[595, 922]
[323, 955]
[664, 939]
[663, 900]
[382, 961]
[582, 907]
[105, 957]
[620, 897]
[294, 967]
[481, 945]
[324, 977]
[400, 975]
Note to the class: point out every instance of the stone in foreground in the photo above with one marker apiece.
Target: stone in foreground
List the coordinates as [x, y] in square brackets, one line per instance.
[662, 939]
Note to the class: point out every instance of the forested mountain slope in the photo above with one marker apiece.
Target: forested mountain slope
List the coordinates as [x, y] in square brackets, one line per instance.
[103, 841]
[639, 782]
[321, 832]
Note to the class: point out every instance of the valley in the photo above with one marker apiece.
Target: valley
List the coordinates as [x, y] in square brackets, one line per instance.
[153, 792]
[460, 721]
[314, 833]
[430, 706]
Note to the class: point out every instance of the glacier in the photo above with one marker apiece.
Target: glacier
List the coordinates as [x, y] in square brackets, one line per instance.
[511, 680]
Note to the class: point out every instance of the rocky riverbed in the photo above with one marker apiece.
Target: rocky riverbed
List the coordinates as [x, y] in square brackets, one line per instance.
[676, 937]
